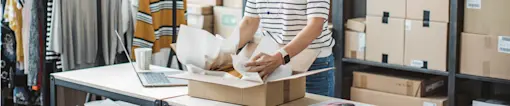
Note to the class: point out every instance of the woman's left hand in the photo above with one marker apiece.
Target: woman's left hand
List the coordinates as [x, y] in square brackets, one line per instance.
[265, 64]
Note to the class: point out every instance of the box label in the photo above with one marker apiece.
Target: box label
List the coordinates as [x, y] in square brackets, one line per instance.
[474, 4]
[504, 44]
[361, 42]
[229, 20]
[417, 63]
[408, 25]
[429, 104]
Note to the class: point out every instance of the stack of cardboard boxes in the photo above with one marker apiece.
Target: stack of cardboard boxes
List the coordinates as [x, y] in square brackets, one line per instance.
[485, 42]
[200, 16]
[395, 88]
[216, 16]
[408, 32]
[355, 38]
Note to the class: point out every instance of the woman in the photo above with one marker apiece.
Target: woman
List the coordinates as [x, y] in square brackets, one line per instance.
[297, 24]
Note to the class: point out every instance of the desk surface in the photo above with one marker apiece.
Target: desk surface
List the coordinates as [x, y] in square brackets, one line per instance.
[121, 79]
[309, 99]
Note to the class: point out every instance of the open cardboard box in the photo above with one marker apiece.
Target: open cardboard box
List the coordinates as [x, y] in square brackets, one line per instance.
[273, 92]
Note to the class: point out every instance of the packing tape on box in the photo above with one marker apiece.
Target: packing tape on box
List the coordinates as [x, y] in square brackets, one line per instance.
[384, 58]
[363, 81]
[409, 90]
[286, 91]
[386, 16]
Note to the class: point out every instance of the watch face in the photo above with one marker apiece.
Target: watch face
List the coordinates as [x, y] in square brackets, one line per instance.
[286, 59]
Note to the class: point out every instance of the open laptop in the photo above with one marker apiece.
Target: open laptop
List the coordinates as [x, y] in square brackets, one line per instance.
[154, 79]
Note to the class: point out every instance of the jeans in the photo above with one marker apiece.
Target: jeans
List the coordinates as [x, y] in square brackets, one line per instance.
[322, 83]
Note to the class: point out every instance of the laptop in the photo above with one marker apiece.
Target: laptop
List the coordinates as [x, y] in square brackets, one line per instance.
[154, 79]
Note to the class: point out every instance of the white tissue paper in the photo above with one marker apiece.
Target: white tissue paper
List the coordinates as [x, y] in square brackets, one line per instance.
[197, 44]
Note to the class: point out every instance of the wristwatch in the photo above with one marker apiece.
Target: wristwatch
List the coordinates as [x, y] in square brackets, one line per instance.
[285, 56]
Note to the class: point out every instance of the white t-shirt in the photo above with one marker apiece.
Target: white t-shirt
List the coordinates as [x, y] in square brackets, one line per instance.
[284, 19]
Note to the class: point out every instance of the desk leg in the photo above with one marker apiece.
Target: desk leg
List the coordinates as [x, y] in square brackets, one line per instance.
[53, 93]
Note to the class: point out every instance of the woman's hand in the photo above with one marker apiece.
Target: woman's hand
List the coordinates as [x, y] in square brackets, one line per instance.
[265, 64]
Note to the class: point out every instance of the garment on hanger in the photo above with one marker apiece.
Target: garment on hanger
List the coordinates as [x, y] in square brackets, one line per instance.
[14, 16]
[8, 60]
[34, 46]
[154, 24]
[116, 16]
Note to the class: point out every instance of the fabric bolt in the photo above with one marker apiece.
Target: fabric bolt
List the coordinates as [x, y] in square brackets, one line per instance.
[283, 20]
[154, 24]
[322, 83]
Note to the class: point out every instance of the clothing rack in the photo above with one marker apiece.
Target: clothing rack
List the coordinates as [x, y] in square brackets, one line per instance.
[50, 67]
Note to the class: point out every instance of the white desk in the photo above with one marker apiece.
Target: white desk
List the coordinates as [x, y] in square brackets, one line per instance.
[309, 99]
[115, 81]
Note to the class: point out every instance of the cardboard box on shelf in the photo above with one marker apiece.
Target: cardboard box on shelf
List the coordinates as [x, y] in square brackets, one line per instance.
[389, 99]
[433, 10]
[199, 9]
[391, 8]
[426, 44]
[207, 2]
[356, 24]
[233, 3]
[226, 20]
[485, 55]
[487, 17]
[409, 84]
[355, 45]
[385, 42]
[200, 21]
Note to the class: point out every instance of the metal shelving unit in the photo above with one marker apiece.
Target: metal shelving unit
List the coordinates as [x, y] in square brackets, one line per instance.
[398, 67]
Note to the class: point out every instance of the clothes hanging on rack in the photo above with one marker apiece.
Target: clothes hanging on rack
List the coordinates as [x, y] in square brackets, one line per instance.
[116, 16]
[14, 17]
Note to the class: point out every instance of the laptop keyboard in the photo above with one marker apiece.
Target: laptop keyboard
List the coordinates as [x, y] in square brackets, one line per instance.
[153, 78]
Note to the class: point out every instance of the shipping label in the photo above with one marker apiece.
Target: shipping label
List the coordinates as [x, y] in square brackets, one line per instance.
[504, 44]
[417, 63]
[408, 25]
[361, 42]
[474, 4]
[429, 104]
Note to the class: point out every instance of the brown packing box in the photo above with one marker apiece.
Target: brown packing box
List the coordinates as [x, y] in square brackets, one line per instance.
[242, 92]
[206, 2]
[356, 24]
[487, 17]
[385, 41]
[485, 55]
[200, 21]
[438, 10]
[354, 45]
[199, 9]
[395, 8]
[409, 84]
[425, 47]
[233, 3]
[226, 20]
[389, 99]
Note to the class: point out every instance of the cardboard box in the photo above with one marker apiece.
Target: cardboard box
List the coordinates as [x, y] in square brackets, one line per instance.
[233, 3]
[485, 102]
[389, 99]
[385, 42]
[200, 21]
[485, 55]
[226, 20]
[199, 9]
[487, 17]
[433, 10]
[409, 84]
[356, 24]
[243, 92]
[393, 8]
[426, 46]
[207, 2]
[354, 45]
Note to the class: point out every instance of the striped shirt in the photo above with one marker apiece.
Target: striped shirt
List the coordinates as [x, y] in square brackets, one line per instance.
[284, 19]
[154, 23]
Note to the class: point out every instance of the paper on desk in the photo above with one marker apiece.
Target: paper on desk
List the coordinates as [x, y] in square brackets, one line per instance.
[266, 45]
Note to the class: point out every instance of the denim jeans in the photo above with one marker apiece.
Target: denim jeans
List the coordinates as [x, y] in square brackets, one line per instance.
[322, 83]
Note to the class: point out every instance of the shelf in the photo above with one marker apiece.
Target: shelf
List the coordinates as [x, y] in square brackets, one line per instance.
[482, 78]
[393, 66]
